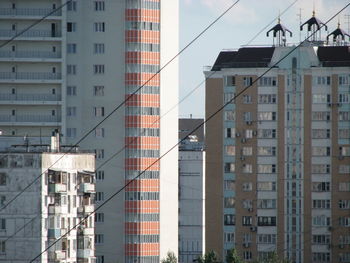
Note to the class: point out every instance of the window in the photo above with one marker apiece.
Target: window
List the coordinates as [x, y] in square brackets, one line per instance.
[344, 221]
[71, 90]
[266, 239]
[247, 204]
[2, 179]
[229, 185]
[99, 217]
[321, 204]
[71, 132]
[72, 6]
[320, 239]
[229, 115]
[322, 80]
[99, 132]
[99, 90]
[229, 132]
[247, 186]
[99, 111]
[344, 257]
[321, 257]
[100, 153]
[247, 81]
[267, 151]
[71, 69]
[321, 220]
[267, 133]
[99, 196]
[229, 167]
[71, 48]
[2, 247]
[247, 116]
[267, 116]
[247, 151]
[230, 81]
[99, 48]
[267, 99]
[247, 220]
[266, 168]
[247, 168]
[99, 5]
[343, 169]
[71, 111]
[344, 204]
[344, 116]
[71, 27]
[247, 99]
[249, 134]
[344, 133]
[2, 200]
[230, 150]
[321, 116]
[321, 186]
[343, 80]
[2, 224]
[266, 221]
[247, 255]
[343, 98]
[99, 27]
[100, 175]
[229, 237]
[229, 220]
[321, 133]
[100, 259]
[320, 168]
[99, 239]
[344, 187]
[321, 151]
[321, 98]
[228, 97]
[266, 203]
[99, 69]
[229, 202]
[268, 81]
[266, 186]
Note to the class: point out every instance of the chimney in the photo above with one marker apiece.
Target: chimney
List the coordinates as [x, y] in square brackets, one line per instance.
[55, 141]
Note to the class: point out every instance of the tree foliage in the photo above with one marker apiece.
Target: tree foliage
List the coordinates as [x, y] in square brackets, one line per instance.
[209, 257]
[232, 257]
[170, 258]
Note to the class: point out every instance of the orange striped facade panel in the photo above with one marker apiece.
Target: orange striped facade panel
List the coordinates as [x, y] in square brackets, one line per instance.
[142, 228]
[151, 164]
[143, 185]
[142, 121]
[151, 206]
[146, 15]
[142, 79]
[142, 249]
[142, 36]
[134, 57]
[149, 143]
[143, 100]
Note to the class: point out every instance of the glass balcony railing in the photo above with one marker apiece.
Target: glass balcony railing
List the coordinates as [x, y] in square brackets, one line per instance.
[30, 97]
[29, 54]
[29, 12]
[30, 75]
[29, 118]
[29, 33]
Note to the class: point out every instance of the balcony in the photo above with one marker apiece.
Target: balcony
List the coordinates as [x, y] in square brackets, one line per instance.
[87, 188]
[54, 233]
[29, 55]
[32, 34]
[32, 77]
[86, 209]
[85, 253]
[30, 12]
[57, 188]
[88, 231]
[29, 98]
[57, 209]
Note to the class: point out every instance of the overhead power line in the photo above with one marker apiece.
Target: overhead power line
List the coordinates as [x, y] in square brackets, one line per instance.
[191, 132]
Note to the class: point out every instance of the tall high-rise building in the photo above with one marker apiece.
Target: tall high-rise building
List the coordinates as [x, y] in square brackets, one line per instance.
[69, 72]
[278, 156]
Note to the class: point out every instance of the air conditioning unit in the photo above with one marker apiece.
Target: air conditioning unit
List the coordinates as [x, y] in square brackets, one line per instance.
[253, 228]
[341, 246]
[243, 140]
[238, 134]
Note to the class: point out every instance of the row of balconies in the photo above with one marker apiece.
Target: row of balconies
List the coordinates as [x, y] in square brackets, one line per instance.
[30, 76]
[25, 54]
[32, 33]
[30, 97]
[54, 256]
[62, 188]
[28, 12]
[63, 209]
[29, 118]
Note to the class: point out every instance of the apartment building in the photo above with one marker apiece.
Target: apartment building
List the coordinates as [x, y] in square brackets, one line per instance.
[69, 72]
[191, 191]
[278, 160]
[54, 204]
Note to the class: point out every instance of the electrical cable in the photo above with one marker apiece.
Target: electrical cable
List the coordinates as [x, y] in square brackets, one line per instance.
[195, 129]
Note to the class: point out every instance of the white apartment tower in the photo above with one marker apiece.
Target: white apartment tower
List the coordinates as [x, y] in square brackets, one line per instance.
[57, 201]
[69, 72]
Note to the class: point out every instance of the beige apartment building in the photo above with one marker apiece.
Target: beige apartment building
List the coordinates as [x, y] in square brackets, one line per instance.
[278, 156]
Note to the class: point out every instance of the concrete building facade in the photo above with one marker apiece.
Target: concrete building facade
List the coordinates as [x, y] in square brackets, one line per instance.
[54, 204]
[69, 72]
[191, 192]
[279, 153]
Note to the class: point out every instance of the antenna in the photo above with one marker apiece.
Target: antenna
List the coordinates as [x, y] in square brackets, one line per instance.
[300, 23]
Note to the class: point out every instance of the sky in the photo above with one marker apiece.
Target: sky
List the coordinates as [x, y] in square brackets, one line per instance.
[235, 29]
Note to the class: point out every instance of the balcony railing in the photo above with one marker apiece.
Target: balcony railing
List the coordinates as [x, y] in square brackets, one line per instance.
[30, 54]
[30, 75]
[30, 97]
[30, 118]
[28, 12]
[29, 33]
